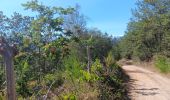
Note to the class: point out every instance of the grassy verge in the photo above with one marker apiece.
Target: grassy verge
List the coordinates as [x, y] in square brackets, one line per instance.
[162, 63]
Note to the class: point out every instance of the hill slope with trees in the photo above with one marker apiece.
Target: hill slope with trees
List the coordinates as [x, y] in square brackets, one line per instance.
[59, 57]
[148, 36]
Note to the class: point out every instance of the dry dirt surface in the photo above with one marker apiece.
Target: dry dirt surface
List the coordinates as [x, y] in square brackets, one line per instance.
[147, 85]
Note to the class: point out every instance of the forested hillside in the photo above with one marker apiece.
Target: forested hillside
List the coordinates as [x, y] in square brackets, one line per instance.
[148, 33]
[59, 58]
[55, 55]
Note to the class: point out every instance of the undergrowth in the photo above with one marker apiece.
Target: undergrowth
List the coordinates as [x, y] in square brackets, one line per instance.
[162, 63]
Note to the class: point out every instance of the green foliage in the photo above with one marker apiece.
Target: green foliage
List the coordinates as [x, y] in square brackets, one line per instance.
[88, 77]
[54, 80]
[116, 51]
[69, 97]
[111, 84]
[52, 55]
[93, 76]
[147, 32]
[23, 79]
[162, 63]
[102, 44]
[109, 60]
[96, 66]
[72, 66]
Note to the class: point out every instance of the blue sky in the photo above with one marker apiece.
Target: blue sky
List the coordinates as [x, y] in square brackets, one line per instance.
[109, 16]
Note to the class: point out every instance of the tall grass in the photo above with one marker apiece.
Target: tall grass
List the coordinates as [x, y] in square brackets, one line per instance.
[162, 63]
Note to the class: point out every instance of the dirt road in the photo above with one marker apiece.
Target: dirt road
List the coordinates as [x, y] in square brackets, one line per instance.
[147, 85]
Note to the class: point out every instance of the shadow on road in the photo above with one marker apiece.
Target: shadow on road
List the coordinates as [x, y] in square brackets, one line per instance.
[142, 91]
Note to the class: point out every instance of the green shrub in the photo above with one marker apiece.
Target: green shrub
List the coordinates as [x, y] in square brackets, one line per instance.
[96, 66]
[69, 97]
[162, 63]
[93, 76]
[89, 77]
[109, 60]
[23, 78]
[111, 85]
[55, 80]
[73, 66]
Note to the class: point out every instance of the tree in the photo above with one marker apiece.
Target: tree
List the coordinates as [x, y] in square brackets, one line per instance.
[8, 52]
[3, 25]
[75, 22]
[146, 32]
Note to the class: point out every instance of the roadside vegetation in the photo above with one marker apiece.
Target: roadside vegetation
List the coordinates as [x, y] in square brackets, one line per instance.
[148, 36]
[59, 58]
[162, 63]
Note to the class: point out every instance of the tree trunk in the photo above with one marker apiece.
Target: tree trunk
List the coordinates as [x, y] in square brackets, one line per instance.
[11, 94]
[88, 58]
[8, 52]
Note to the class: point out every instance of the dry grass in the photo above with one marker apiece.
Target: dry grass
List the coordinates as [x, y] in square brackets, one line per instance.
[150, 66]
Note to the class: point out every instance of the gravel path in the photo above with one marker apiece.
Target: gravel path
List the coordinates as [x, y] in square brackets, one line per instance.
[147, 85]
